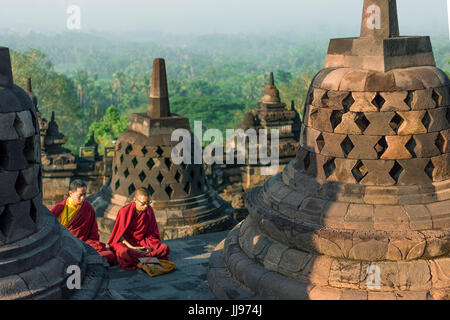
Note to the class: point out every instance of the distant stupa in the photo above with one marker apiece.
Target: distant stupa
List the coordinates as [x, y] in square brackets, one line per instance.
[183, 202]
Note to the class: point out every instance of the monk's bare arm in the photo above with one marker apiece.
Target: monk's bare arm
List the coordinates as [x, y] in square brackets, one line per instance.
[125, 242]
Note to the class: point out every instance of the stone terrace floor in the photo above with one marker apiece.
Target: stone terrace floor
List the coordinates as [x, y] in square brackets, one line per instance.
[187, 282]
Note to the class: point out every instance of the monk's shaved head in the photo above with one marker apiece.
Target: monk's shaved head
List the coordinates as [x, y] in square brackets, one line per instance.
[141, 198]
[142, 192]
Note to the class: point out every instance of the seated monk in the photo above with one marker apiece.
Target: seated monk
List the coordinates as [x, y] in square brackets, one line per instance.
[77, 214]
[135, 234]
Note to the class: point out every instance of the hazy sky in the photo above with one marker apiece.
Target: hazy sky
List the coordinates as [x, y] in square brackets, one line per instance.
[416, 17]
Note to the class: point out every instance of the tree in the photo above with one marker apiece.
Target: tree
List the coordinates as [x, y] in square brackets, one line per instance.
[55, 92]
[108, 128]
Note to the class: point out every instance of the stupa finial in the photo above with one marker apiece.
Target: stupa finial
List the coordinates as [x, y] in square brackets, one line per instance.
[159, 94]
[380, 19]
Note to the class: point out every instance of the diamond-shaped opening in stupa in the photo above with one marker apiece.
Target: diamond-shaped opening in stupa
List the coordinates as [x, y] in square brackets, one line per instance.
[378, 101]
[169, 191]
[336, 118]
[142, 176]
[348, 102]
[409, 98]
[128, 149]
[429, 169]
[396, 122]
[347, 146]
[396, 171]
[359, 171]
[329, 167]
[426, 120]
[411, 146]
[320, 142]
[361, 121]
[131, 189]
[160, 178]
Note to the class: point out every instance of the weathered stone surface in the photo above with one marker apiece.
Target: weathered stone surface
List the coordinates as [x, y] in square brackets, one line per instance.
[412, 123]
[378, 173]
[345, 274]
[363, 102]
[394, 101]
[396, 148]
[332, 145]
[440, 273]
[413, 172]
[333, 216]
[335, 99]
[440, 214]
[13, 157]
[13, 287]
[27, 185]
[368, 196]
[348, 123]
[441, 167]
[8, 194]
[29, 235]
[7, 131]
[332, 79]
[390, 218]
[354, 80]
[425, 145]
[325, 293]
[380, 81]
[24, 124]
[370, 250]
[318, 95]
[406, 80]
[422, 100]
[380, 124]
[438, 119]
[443, 99]
[16, 221]
[419, 217]
[343, 172]
[319, 119]
[364, 147]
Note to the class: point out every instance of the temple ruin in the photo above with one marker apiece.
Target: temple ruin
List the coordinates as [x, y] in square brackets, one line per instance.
[60, 166]
[37, 254]
[234, 181]
[363, 212]
[183, 202]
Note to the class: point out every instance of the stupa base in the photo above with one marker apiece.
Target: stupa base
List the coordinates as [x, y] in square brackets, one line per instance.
[236, 274]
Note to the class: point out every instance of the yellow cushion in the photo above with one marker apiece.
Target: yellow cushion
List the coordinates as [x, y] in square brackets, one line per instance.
[154, 270]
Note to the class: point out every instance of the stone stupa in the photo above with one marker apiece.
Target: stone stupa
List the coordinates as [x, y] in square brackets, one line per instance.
[363, 212]
[235, 180]
[183, 202]
[35, 250]
[270, 114]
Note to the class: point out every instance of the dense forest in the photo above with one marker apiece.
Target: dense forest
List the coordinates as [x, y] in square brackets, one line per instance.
[94, 83]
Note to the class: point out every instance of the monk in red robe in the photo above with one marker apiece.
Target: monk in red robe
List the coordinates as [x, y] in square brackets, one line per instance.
[77, 214]
[135, 234]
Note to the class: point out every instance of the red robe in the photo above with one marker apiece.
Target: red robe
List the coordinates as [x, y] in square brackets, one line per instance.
[140, 230]
[84, 227]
